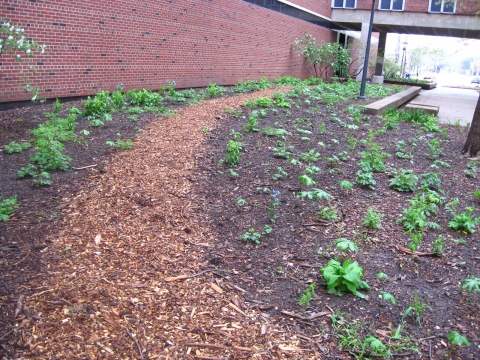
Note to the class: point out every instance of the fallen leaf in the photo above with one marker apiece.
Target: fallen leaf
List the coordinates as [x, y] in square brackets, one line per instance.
[217, 288]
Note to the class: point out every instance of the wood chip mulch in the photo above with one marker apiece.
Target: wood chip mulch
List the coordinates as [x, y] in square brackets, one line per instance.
[132, 280]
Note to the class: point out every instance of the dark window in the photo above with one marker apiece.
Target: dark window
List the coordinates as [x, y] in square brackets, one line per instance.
[443, 6]
[349, 4]
[392, 5]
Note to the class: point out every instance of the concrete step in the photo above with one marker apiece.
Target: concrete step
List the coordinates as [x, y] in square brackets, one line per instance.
[431, 109]
[393, 101]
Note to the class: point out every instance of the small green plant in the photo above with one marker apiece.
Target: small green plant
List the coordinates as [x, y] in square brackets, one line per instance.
[57, 107]
[372, 219]
[416, 309]
[404, 181]
[143, 97]
[381, 276]
[344, 278]
[344, 244]
[345, 185]
[241, 202]
[431, 180]
[415, 218]
[14, 147]
[118, 100]
[414, 243]
[252, 123]
[281, 173]
[233, 173]
[471, 284]
[465, 221]
[313, 194]
[365, 179]
[233, 153]
[312, 170]
[260, 102]
[7, 207]
[352, 142]
[435, 149]
[305, 298]
[471, 172]
[306, 180]
[121, 144]
[438, 245]
[388, 297]
[214, 90]
[328, 213]
[377, 346]
[254, 236]
[135, 110]
[100, 104]
[310, 156]
[457, 340]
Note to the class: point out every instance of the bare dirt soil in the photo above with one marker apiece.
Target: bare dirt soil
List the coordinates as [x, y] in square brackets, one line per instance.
[139, 256]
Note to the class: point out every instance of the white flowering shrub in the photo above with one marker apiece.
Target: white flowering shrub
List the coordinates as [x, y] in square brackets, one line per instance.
[325, 57]
[13, 41]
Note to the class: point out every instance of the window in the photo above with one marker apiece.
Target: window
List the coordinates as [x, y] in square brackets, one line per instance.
[396, 5]
[348, 4]
[443, 6]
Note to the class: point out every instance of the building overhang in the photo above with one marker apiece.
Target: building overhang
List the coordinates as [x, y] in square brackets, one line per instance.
[400, 22]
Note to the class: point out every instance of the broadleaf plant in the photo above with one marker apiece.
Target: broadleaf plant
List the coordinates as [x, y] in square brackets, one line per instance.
[344, 278]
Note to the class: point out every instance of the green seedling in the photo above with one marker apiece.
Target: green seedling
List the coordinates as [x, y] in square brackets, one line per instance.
[416, 309]
[438, 245]
[471, 284]
[457, 340]
[305, 298]
[465, 221]
[345, 245]
[388, 297]
[241, 202]
[14, 147]
[345, 185]
[7, 208]
[431, 180]
[365, 179]
[313, 194]
[312, 170]
[372, 219]
[328, 213]
[233, 173]
[310, 156]
[233, 153]
[306, 180]
[381, 276]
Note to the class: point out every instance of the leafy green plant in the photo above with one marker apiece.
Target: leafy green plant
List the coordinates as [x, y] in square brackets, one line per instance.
[344, 278]
[310, 156]
[431, 180]
[233, 153]
[252, 123]
[118, 100]
[254, 236]
[365, 179]
[14, 147]
[381, 276]
[344, 244]
[438, 245]
[313, 194]
[415, 239]
[404, 180]
[260, 102]
[373, 159]
[416, 309]
[377, 346]
[471, 284]
[471, 172]
[121, 144]
[214, 90]
[306, 180]
[269, 131]
[57, 107]
[457, 340]
[465, 221]
[372, 219]
[415, 218]
[7, 207]
[241, 202]
[143, 97]
[305, 298]
[352, 142]
[345, 185]
[279, 174]
[233, 173]
[95, 107]
[388, 297]
[435, 149]
[328, 213]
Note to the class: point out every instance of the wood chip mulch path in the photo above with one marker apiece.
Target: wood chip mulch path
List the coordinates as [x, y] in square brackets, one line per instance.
[132, 280]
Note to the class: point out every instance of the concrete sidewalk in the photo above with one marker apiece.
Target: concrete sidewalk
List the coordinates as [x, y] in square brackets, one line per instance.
[455, 104]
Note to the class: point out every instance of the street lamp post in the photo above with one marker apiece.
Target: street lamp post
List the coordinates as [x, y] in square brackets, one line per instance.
[367, 53]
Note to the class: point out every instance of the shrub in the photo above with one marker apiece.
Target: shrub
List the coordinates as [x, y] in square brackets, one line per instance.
[98, 105]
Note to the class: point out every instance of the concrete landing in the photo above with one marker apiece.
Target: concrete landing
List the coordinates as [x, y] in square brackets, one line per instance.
[427, 108]
[455, 104]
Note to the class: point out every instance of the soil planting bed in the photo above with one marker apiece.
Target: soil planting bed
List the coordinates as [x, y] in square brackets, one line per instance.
[138, 254]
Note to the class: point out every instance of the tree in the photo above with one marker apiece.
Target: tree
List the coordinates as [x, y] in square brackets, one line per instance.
[14, 42]
[472, 144]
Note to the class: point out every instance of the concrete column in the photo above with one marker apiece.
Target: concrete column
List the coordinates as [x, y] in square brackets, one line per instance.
[361, 57]
[380, 53]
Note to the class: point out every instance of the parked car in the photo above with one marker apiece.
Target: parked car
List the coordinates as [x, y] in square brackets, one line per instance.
[475, 80]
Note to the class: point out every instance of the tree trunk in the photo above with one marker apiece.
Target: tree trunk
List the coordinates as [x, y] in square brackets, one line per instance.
[472, 145]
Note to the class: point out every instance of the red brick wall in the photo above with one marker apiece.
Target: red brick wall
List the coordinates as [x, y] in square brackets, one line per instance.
[322, 7]
[99, 44]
